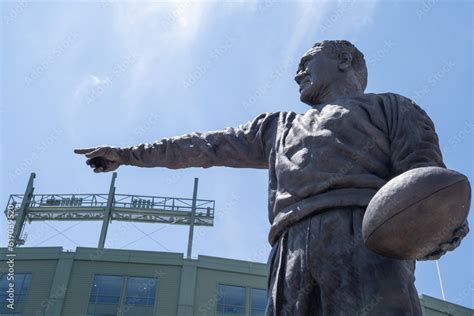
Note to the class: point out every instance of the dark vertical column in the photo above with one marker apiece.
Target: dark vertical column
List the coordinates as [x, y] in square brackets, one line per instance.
[193, 216]
[107, 212]
[20, 220]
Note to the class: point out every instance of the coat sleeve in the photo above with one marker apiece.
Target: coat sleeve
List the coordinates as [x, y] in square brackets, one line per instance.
[413, 139]
[246, 146]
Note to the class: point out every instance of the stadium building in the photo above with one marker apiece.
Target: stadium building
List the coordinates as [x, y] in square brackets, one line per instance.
[100, 281]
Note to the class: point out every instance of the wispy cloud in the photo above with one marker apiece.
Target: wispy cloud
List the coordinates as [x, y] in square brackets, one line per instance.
[87, 89]
[88, 84]
[311, 15]
[154, 31]
[346, 18]
[149, 28]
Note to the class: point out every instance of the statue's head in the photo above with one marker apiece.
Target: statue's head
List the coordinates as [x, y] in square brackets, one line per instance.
[331, 69]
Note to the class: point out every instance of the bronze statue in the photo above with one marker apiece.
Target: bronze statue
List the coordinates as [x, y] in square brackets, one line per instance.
[324, 167]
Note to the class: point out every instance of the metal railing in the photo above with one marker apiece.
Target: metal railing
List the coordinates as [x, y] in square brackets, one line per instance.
[121, 202]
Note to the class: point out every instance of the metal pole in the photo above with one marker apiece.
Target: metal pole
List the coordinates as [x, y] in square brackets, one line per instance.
[20, 220]
[440, 280]
[107, 212]
[193, 216]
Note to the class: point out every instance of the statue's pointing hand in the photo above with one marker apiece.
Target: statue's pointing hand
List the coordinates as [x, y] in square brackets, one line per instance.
[101, 158]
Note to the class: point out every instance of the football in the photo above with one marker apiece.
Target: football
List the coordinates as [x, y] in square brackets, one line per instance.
[413, 213]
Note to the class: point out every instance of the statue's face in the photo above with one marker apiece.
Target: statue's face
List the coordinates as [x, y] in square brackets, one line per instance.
[316, 72]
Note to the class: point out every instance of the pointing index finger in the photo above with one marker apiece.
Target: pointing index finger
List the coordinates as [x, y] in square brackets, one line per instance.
[83, 151]
[100, 151]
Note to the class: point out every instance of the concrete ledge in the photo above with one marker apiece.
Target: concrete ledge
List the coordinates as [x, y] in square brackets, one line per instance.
[435, 306]
[128, 256]
[232, 265]
[33, 253]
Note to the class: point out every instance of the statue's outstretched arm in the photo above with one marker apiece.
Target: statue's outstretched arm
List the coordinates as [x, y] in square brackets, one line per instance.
[246, 146]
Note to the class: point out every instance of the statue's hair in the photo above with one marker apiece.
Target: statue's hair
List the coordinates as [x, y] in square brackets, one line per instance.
[334, 48]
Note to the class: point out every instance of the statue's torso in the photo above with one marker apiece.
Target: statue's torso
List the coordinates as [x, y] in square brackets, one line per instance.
[342, 147]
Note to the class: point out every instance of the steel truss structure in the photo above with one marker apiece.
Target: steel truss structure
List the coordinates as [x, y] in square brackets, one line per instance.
[108, 207]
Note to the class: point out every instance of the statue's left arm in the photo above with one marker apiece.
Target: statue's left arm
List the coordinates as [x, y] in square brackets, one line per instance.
[415, 144]
[413, 139]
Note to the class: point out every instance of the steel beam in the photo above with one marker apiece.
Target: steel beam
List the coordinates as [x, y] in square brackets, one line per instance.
[107, 212]
[20, 220]
[193, 216]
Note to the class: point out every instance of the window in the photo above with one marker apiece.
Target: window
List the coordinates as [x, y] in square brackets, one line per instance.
[230, 300]
[21, 285]
[140, 291]
[106, 289]
[233, 300]
[125, 295]
[258, 302]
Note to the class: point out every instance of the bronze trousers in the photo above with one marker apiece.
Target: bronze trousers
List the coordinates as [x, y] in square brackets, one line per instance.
[321, 266]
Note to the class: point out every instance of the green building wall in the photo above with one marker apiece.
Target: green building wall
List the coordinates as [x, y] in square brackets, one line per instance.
[61, 281]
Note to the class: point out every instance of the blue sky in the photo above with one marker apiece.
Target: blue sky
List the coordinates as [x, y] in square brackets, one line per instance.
[79, 74]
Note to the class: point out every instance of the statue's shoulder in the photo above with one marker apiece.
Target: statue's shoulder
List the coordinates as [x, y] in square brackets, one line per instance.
[397, 103]
[393, 101]
[391, 97]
